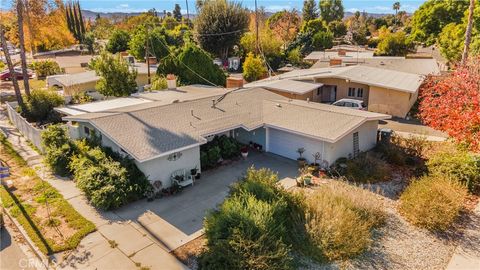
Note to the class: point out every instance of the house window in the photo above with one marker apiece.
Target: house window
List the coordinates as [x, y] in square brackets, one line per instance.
[86, 130]
[356, 149]
[318, 91]
[351, 91]
[360, 92]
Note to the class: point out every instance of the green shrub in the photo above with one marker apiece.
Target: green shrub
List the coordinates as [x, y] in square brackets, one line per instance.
[460, 165]
[46, 68]
[366, 168]
[159, 83]
[432, 202]
[220, 147]
[58, 149]
[253, 228]
[39, 106]
[340, 219]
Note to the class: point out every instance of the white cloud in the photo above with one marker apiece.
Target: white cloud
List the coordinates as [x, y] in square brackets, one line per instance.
[123, 6]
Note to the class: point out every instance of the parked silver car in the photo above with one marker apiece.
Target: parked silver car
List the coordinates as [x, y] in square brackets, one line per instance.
[350, 103]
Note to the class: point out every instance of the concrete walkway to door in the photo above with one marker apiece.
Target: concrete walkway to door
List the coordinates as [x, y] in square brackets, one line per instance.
[175, 220]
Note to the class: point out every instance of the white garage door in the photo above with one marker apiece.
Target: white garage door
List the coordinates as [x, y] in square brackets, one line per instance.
[286, 144]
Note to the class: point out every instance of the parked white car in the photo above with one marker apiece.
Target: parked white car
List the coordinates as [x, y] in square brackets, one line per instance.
[350, 103]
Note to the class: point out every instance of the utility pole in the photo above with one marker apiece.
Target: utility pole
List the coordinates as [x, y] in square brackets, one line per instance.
[147, 56]
[256, 29]
[188, 14]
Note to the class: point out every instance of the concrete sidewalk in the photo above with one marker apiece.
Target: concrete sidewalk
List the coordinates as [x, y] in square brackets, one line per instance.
[117, 243]
[467, 253]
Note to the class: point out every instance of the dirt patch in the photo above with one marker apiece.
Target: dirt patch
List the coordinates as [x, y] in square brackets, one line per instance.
[189, 252]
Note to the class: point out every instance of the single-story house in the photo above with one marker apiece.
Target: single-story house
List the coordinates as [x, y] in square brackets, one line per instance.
[73, 64]
[163, 138]
[86, 81]
[384, 91]
[72, 51]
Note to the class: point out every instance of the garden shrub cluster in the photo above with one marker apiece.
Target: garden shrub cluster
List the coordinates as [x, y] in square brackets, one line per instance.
[46, 68]
[220, 147]
[433, 202]
[366, 168]
[460, 165]
[262, 226]
[254, 228]
[108, 179]
[38, 107]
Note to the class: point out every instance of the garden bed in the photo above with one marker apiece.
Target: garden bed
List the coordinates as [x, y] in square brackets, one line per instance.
[49, 220]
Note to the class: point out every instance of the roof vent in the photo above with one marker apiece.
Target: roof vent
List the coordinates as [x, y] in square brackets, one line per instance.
[308, 100]
[382, 63]
[213, 103]
[279, 105]
[176, 101]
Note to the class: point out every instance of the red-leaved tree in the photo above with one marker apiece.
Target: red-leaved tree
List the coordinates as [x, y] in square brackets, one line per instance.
[451, 103]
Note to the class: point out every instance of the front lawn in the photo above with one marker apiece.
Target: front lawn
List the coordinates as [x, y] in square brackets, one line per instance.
[49, 220]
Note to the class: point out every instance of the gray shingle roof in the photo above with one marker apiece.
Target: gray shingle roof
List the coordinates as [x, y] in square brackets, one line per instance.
[151, 132]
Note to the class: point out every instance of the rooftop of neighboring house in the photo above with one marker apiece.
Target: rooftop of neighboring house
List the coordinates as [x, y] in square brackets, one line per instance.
[90, 76]
[424, 66]
[145, 99]
[73, 61]
[372, 76]
[158, 129]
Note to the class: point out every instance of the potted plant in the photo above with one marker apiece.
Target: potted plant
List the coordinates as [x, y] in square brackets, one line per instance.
[301, 160]
[316, 157]
[244, 151]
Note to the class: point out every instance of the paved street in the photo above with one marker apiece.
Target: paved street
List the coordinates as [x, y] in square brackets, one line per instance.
[14, 253]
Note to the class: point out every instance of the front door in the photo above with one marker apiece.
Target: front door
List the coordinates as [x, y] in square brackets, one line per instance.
[333, 93]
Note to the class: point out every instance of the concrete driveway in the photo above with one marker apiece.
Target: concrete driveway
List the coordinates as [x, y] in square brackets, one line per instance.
[175, 220]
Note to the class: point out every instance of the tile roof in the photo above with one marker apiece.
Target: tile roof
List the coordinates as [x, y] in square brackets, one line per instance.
[151, 132]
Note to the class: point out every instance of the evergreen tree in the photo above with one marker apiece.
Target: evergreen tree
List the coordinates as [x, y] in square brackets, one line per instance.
[177, 14]
[78, 30]
[80, 18]
[309, 11]
[331, 10]
[69, 18]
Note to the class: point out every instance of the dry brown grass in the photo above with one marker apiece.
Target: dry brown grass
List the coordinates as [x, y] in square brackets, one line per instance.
[340, 219]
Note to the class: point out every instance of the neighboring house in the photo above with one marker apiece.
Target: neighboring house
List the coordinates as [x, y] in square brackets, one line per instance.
[165, 137]
[86, 81]
[382, 90]
[72, 51]
[73, 64]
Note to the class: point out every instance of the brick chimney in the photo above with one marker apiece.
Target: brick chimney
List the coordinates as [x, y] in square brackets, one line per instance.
[335, 62]
[342, 52]
[234, 82]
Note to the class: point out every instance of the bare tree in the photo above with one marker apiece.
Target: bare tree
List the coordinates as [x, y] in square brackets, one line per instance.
[21, 38]
[468, 33]
[18, 94]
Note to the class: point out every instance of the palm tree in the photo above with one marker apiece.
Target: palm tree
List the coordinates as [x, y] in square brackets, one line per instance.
[21, 39]
[468, 33]
[396, 7]
[3, 41]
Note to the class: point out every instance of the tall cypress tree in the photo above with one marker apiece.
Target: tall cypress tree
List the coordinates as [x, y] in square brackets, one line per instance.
[78, 33]
[80, 18]
[69, 19]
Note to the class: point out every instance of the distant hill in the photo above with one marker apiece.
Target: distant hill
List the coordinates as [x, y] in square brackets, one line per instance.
[119, 15]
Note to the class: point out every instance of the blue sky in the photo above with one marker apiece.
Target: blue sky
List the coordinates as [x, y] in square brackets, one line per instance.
[372, 6]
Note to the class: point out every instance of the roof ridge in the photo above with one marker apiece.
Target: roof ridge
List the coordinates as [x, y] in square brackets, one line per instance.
[310, 106]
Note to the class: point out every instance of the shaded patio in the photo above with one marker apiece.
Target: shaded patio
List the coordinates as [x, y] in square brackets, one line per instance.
[175, 220]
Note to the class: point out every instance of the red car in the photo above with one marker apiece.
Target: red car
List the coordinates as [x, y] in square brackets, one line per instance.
[6, 76]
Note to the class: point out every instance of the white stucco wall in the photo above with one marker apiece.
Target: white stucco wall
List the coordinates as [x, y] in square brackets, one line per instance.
[367, 138]
[289, 143]
[161, 168]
